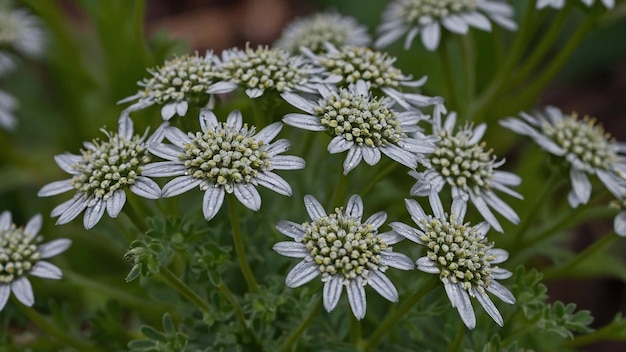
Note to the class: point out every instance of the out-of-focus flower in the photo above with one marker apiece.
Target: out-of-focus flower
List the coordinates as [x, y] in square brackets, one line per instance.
[21, 254]
[427, 17]
[460, 255]
[345, 250]
[7, 105]
[222, 158]
[313, 31]
[461, 162]
[363, 125]
[558, 4]
[101, 175]
[20, 31]
[181, 81]
[582, 143]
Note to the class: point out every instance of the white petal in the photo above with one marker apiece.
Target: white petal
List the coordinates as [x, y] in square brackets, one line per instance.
[332, 292]
[501, 207]
[176, 136]
[292, 249]
[52, 248]
[339, 145]
[352, 159]
[278, 147]
[179, 185]
[46, 270]
[581, 185]
[356, 297]
[391, 237]
[208, 120]
[307, 122]
[455, 24]
[302, 273]
[247, 194]
[371, 155]
[483, 209]
[435, 204]
[500, 254]
[145, 187]
[5, 220]
[268, 133]
[66, 161]
[382, 285]
[459, 207]
[288, 162]
[490, 308]
[464, 306]
[181, 107]
[212, 201]
[274, 182]
[166, 151]
[431, 35]
[164, 169]
[501, 292]
[115, 204]
[426, 265]
[477, 20]
[54, 188]
[5, 292]
[23, 291]
[291, 229]
[396, 260]
[415, 209]
[354, 207]
[377, 220]
[313, 207]
[254, 93]
[406, 231]
[507, 178]
[33, 226]
[235, 120]
[168, 111]
[71, 209]
[619, 224]
[93, 214]
[299, 102]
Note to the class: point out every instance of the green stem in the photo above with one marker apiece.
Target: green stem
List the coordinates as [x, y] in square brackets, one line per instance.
[583, 340]
[468, 57]
[184, 290]
[294, 335]
[138, 218]
[448, 75]
[239, 247]
[340, 190]
[139, 14]
[392, 318]
[379, 176]
[456, 344]
[355, 331]
[51, 329]
[533, 90]
[223, 289]
[594, 248]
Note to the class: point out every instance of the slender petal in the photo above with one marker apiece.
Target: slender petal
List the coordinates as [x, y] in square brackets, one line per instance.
[356, 297]
[23, 291]
[332, 292]
[46, 270]
[302, 273]
[212, 201]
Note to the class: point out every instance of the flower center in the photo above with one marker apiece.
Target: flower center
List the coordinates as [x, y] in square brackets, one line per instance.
[584, 139]
[9, 28]
[342, 245]
[462, 164]
[418, 11]
[112, 165]
[18, 253]
[265, 68]
[182, 78]
[363, 119]
[355, 63]
[458, 253]
[225, 156]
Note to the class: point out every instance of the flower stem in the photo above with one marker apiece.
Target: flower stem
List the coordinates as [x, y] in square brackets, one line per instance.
[601, 334]
[448, 75]
[184, 290]
[49, 328]
[238, 241]
[294, 335]
[594, 248]
[138, 218]
[223, 289]
[392, 318]
[340, 190]
[379, 176]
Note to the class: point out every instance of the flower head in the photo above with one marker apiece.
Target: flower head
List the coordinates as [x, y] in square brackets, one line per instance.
[21, 31]
[426, 17]
[558, 4]
[460, 255]
[363, 125]
[181, 81]
[313, 31]
[101, 175]
[462, 162]
[348, 64]
[261, 69]
[345, 250]
[582, 143]
[7, 105]
[21, 254]
[223, 158]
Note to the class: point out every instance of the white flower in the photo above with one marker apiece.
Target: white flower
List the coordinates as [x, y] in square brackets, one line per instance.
[315, 30]
[619, 223]
[426, 17]
[101, 175]
[348, 64]
[583, 144]
[21, 254]
[21, 31]
[345, 250]
[363, 125]
[459, 254]
[462, 163]
[181, 81]
[261, 69]
[558, 4]
[224, 157]
[7, 105]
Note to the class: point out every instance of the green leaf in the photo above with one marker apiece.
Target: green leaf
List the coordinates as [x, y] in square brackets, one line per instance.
[153, 334]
